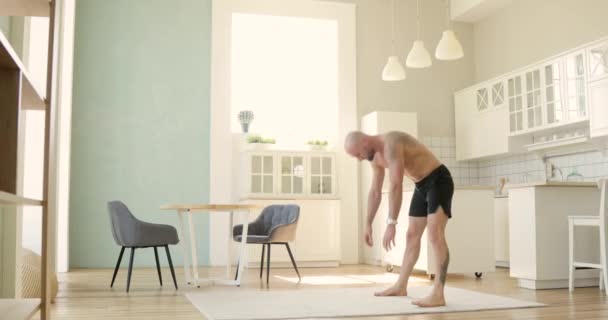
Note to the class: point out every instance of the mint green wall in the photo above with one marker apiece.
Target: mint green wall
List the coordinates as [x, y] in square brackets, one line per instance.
[140, 124]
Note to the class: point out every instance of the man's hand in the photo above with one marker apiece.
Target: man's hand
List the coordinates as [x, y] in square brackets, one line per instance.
[389, 237]
[368, 235]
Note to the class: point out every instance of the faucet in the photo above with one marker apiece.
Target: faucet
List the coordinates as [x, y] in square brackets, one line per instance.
[561, 174]
[550, 170]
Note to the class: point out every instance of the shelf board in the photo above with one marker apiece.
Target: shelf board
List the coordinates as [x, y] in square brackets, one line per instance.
[25, 8]
[30, 95]
[15, 200]
[18, 308]
[584, 123]
[556, 143]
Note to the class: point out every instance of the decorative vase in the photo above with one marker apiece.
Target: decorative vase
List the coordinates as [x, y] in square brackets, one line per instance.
[245, 127]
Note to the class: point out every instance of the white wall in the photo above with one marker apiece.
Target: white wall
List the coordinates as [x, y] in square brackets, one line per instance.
[527, 31]
[427, 92]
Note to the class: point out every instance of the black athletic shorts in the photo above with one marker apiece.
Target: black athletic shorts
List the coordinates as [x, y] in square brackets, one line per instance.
[434, 191]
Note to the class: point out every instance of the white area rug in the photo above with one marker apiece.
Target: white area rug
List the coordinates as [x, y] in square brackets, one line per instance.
[227, 303]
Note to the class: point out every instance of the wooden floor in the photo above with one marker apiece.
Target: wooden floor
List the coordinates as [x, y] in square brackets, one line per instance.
[85, 294]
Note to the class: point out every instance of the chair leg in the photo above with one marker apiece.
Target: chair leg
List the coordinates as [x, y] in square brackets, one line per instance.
[262, 260]
[570, 256]
[130, 268]
[268, 266]
[160, 277]
[293, 261]
[122, 250]
[236, 275]
[171, 265]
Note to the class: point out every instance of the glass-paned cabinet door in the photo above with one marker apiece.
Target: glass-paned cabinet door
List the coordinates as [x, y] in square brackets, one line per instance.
[262, 174]
[322, 175]
[498, 94]
[292, 174]
[533, 101]
[516, 103]
[576, 104]
[598, 61]
[482, 99]
[553, 93]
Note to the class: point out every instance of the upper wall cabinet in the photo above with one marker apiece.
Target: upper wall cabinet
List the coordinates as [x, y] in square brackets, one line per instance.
[576, 94]
[598, 61]
[566, 92]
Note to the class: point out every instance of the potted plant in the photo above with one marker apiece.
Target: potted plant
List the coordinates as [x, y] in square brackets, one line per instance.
[257, 142]
[245, 118]
[317, 145]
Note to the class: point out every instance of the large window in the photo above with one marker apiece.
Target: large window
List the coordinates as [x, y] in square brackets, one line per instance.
[285, 69]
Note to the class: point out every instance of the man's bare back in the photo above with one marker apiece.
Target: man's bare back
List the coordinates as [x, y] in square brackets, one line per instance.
[418, 160]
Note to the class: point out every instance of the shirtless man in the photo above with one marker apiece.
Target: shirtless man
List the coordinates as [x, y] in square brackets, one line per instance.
[403, 155]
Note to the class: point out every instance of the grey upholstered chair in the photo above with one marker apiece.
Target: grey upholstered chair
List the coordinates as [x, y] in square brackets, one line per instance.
[276, 224]
[129, 232]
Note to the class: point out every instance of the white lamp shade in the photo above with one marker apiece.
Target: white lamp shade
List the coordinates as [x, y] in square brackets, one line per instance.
[449, 47]
[418, 57]
[393, 70]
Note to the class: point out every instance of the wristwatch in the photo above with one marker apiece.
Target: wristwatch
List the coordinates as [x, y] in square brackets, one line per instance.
[390, 220]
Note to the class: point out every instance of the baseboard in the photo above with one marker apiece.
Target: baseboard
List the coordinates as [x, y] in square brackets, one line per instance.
[301, 264]
[503, 264]
[584, 278]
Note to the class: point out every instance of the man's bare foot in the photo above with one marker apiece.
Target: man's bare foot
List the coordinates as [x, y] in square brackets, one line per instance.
[393, 291]
[433, 300]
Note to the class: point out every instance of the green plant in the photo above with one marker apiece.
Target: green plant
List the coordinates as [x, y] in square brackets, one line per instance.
[318, 143]
[256, 138]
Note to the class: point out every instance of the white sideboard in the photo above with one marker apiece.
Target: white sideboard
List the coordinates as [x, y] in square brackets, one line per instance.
[470, 233]
[317, 241]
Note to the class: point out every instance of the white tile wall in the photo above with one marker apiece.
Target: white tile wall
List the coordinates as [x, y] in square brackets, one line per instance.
[591, 165]
[444, 148]
[517, 169]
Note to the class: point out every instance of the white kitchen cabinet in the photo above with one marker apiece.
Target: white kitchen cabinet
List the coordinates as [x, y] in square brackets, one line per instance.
[515, 100]
[480, 134]
[575, 81]
[534, 105]
[501, 231]
[470, 233]
[287, 174]
[597, 61]
[598, 102]
[317, 237]
[553, 92]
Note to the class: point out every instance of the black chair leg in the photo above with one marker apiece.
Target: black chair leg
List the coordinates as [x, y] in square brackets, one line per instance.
[268, 266]
[160, 277]
[130, 268]
[262, 260]
[122, 250]
[171, 266]
[293, 261]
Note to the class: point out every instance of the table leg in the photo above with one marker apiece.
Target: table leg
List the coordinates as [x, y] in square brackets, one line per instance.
[185, 246]
[193, 247]
[229, 245]
[243, 251]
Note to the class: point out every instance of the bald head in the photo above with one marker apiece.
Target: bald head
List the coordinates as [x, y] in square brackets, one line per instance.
[358, 145]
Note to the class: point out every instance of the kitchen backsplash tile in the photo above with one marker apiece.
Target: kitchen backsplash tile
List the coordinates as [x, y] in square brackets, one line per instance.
[592, 165]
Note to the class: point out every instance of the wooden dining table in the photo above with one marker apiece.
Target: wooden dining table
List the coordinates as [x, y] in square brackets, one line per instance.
[188, 239]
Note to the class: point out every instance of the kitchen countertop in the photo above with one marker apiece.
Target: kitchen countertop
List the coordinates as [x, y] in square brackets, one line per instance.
[551, 184]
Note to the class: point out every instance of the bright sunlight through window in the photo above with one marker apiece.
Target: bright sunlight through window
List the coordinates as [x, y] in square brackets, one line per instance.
[285, 69]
